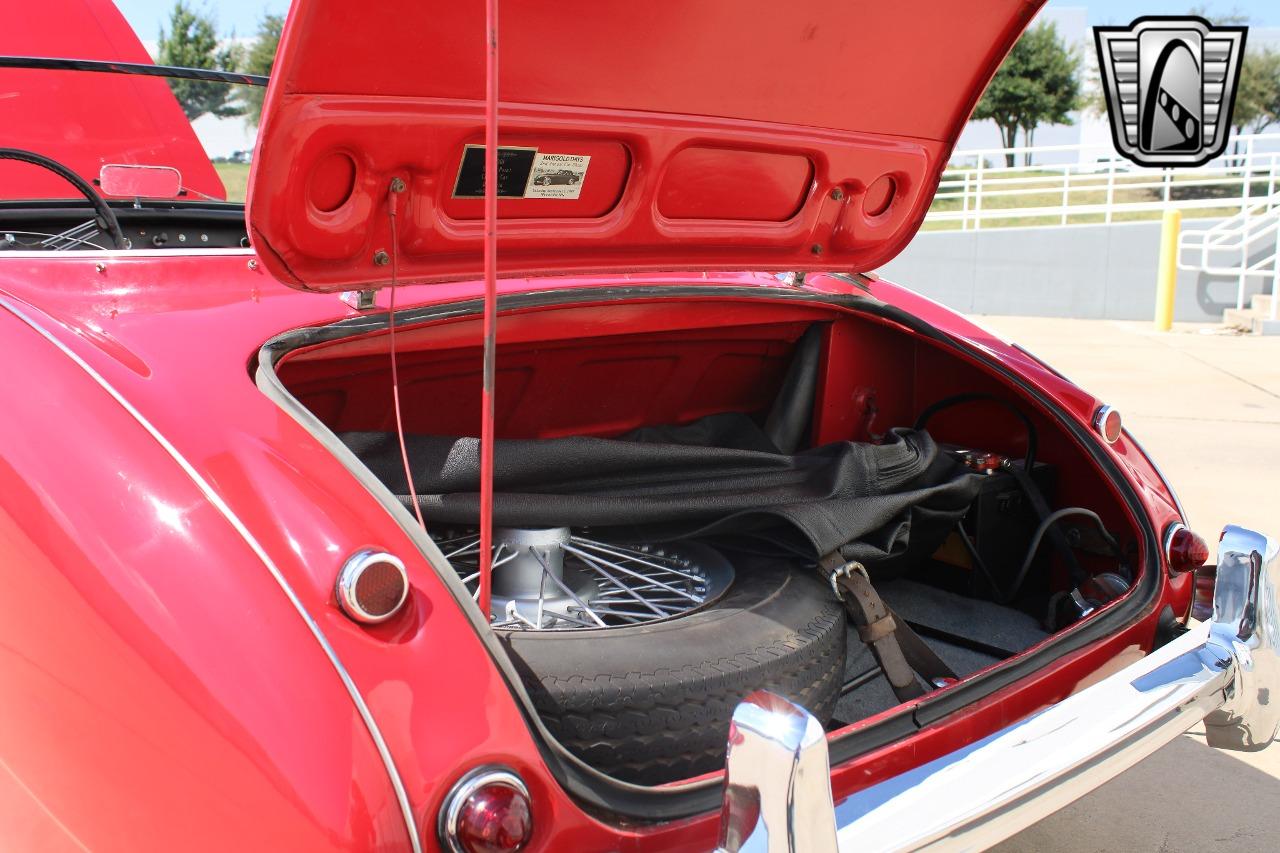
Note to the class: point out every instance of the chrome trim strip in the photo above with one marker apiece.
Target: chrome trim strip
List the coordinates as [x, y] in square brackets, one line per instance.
[216, 500]
[447, 825]
[1223, 672]
[1166, 543]
[1169, 531]
[97, 66]
[128, 254]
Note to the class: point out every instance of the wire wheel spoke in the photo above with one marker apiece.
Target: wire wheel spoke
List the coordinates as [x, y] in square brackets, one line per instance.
[552, 579]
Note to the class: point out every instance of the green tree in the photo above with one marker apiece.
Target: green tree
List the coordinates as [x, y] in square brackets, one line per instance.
[259, 60]
[1038, 83]
[192, 42]
[1258, 92]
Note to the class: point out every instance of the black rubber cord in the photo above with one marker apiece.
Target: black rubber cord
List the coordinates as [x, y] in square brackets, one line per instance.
[978, 561]
[1033, 438]
[1049, 521]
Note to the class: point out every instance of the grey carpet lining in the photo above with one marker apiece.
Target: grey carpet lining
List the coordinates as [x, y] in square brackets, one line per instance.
[981, 621]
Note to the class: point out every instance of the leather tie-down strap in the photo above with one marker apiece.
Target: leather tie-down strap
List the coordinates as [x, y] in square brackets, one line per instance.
[898, 649]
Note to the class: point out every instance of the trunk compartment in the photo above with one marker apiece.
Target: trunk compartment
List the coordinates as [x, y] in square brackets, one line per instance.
[617, 365]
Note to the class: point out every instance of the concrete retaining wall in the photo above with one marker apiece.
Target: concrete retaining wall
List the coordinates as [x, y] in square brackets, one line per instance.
[1086, 271]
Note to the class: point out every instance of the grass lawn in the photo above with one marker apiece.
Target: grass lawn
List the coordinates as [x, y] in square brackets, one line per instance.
[235, 177]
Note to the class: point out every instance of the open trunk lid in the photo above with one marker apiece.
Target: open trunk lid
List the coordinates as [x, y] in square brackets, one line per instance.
[739, 134]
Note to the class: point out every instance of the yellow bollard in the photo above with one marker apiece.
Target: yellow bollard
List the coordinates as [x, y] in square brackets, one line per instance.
[1167, 271]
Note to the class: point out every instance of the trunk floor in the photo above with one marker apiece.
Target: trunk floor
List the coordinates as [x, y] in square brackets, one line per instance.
[981, 622]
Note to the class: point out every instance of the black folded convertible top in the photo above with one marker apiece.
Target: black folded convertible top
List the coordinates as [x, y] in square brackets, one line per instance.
[719, 477]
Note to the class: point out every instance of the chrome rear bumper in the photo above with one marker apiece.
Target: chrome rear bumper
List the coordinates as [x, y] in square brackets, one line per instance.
[778, 794]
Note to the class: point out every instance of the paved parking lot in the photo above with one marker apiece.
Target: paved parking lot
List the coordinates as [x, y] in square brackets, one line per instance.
[1206, 405]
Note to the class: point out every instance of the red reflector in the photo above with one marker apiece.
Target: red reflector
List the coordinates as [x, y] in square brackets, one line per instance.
[1184, 550]
[495, 819]
[1108, 424]
[372, 586]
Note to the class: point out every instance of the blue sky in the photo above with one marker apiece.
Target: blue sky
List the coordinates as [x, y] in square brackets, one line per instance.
[1260, 13]
[238, 16]
[242, 16]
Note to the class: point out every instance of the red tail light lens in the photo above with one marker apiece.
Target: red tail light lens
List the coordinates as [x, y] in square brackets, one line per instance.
[487, 812]
[1184, 550]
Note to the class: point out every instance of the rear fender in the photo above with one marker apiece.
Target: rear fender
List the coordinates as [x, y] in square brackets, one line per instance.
[161, 692]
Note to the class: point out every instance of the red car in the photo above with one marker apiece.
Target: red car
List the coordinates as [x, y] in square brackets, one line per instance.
[772, 554]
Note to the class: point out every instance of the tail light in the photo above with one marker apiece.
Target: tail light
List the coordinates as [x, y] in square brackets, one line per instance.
[487, 811]
[1184, 550]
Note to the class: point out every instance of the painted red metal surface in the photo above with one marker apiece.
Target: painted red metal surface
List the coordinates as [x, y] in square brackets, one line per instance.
[83, 120]
[160, 693]
[153, 653]
[166, 660]
[745, 134]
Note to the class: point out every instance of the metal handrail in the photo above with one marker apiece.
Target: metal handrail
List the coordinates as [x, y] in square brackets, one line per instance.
[1101, 185]
[1104, 179]
[1236, 237]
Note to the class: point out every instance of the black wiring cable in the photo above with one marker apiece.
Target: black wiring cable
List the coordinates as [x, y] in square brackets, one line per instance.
[1033, 437]
[1023, 475]
[1049, 521]
[978, 561]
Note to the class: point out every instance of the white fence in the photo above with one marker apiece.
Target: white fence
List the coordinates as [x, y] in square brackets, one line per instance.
[979, 189]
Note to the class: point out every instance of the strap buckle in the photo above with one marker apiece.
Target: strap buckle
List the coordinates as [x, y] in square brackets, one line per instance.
[845, 571]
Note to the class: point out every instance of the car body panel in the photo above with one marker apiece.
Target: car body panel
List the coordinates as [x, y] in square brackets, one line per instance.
[131, 324]
[101, 118]
[143, 638]
[741, 135]
[174, 532]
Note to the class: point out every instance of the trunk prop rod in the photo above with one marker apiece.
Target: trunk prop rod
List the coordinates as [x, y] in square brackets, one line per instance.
[490, 302]
[398, 186]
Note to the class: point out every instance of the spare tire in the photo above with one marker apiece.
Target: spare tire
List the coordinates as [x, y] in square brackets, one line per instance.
[651, 703]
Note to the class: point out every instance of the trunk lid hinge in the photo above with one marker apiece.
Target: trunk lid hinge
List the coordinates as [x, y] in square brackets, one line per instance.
[860, 280]
[361, 300]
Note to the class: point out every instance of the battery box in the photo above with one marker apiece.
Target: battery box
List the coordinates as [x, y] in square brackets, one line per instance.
[1000, 524]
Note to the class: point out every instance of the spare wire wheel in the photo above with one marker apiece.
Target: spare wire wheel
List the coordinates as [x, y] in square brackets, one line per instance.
[556, 579]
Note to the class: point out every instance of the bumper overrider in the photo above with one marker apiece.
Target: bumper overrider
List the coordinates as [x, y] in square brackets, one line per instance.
[778, 791]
